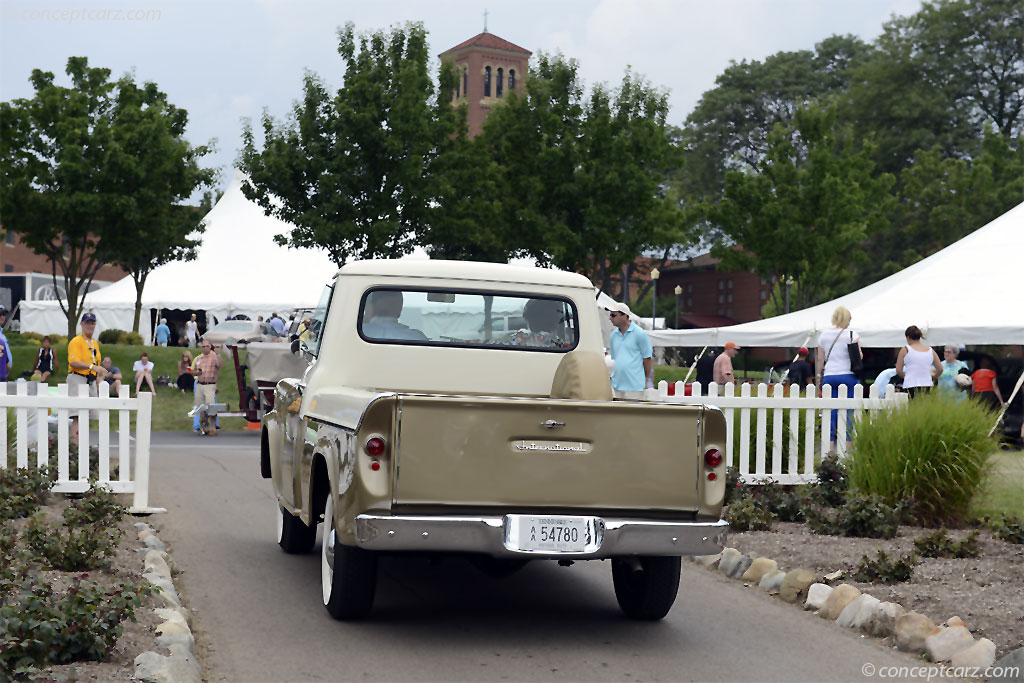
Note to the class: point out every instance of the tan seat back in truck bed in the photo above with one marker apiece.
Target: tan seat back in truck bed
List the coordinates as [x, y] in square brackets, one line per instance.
[582, 375]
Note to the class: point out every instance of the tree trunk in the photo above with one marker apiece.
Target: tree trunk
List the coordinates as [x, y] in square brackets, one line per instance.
[140, 284]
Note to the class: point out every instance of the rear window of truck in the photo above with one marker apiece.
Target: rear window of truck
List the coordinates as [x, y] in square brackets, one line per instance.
[468, 319]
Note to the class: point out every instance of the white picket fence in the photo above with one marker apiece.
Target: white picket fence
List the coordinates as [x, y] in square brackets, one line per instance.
[785, 422]
[93, 414]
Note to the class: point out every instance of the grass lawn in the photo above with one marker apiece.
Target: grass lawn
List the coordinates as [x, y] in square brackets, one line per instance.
[170, 406]
[1004, 491]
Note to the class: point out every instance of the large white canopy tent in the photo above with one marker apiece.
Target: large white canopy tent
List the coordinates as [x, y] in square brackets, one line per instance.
[971, 292]
[239, 269]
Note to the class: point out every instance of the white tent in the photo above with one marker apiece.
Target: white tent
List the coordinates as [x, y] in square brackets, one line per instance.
[971, 292]
[239, 269]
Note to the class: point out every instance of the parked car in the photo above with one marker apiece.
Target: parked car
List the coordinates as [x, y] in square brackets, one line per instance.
[232, 331]
[408, 433]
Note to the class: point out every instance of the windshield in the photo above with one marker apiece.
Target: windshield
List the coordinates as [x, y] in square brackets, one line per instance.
[468, 319]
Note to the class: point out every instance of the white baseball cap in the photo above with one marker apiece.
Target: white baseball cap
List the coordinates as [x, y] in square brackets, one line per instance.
[619, 308]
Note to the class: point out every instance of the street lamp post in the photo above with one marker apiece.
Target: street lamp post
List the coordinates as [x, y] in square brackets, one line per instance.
[679, 293]
[655, 274]
[789, 283]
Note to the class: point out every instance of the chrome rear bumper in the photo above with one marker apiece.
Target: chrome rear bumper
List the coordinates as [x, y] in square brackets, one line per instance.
[489, 535]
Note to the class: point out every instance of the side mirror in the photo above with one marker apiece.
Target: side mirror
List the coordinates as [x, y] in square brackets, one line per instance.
[296, 346]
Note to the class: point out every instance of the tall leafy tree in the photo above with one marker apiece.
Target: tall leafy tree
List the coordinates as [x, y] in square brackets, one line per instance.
[939, 77]
[808, 210]
[729, 127]
[944, 199]
[465, 221]
[90, 169]
[164, 172]
[349, 168]
[581, 176]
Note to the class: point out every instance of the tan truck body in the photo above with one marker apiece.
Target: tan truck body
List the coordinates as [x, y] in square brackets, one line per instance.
[481, 442]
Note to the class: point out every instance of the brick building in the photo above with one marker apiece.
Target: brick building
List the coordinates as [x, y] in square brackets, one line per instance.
[708, 297]
[488, 68]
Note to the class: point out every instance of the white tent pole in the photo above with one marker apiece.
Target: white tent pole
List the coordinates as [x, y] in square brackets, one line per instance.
[806, 341]
[153, 340]
[690, 371]
[1007, 402]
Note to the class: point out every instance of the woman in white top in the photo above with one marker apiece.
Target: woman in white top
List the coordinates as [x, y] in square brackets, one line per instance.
[834, 356]
[916, 362]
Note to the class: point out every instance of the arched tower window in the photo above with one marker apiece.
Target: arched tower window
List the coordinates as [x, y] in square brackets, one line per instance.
[458, 84]
[499, 83]
[465, 80]
[511, 79]
[487, 81]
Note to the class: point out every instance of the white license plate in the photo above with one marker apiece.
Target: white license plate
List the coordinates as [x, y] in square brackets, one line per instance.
[528, 533]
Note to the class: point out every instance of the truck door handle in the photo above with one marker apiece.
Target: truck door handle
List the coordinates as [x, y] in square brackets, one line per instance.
[551, 424]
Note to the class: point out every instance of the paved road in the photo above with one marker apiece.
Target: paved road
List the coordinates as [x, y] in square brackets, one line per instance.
[259, 615]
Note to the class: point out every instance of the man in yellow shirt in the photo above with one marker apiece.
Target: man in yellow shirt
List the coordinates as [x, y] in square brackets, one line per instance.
[84, 359]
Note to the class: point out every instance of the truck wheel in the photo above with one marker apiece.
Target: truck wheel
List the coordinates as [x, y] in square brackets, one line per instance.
[348, 574]
[646, 594]
[294, 537]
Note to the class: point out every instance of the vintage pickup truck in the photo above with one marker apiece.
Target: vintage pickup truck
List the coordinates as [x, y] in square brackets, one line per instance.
[420, 426]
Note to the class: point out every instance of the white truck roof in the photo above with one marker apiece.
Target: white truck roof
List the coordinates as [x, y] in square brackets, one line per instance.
[466, 270]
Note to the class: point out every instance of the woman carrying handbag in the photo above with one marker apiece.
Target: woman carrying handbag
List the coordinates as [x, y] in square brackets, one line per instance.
[839, 357]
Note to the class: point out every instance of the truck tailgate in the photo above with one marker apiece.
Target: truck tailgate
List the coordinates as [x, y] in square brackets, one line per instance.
[547, 453]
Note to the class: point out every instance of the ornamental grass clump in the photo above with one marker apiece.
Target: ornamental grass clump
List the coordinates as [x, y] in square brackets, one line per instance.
[934, 451]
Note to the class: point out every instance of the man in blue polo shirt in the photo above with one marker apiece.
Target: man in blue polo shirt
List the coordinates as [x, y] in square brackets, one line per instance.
[631, 350]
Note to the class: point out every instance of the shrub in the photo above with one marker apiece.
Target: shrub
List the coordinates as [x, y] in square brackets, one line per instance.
[864, 516]
[833, 482]
[933, 451]
[1011, 529]
[745, 514]
[96, 506]
[883, 570]
[87, 537]
[939, 544]
[38, 627]
[733, 485]
[111, 336]
[785, 502]
[23, 490]
[130, 338]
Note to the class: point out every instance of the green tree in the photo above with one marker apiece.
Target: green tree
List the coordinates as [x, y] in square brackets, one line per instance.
[156, 228]
[729, 127]
[465, 221]
[807, 212]
[581, 179]
[938, 77]
[90, 169]
[944, 199]
[350, 169]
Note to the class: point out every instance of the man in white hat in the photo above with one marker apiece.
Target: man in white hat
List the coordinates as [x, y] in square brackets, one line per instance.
[631, 350]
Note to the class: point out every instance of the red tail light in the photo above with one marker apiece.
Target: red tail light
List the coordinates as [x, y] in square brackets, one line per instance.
[713, 458]
[375, 446]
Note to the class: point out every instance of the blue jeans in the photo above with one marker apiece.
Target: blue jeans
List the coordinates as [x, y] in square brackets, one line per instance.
[835, 381]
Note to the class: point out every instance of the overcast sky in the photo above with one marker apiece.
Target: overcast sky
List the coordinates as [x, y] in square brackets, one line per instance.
[224, 60]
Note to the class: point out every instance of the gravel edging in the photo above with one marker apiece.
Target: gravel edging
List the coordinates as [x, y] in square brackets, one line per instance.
[173, 633]
[949, 644]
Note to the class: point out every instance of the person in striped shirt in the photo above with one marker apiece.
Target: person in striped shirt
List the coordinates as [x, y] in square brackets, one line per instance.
[207, 365]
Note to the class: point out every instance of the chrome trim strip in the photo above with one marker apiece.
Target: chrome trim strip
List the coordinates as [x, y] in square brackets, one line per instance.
[488, 535]
[398, 450]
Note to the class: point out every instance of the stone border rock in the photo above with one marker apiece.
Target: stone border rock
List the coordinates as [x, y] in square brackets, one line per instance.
[950, 643]
[173, 634]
